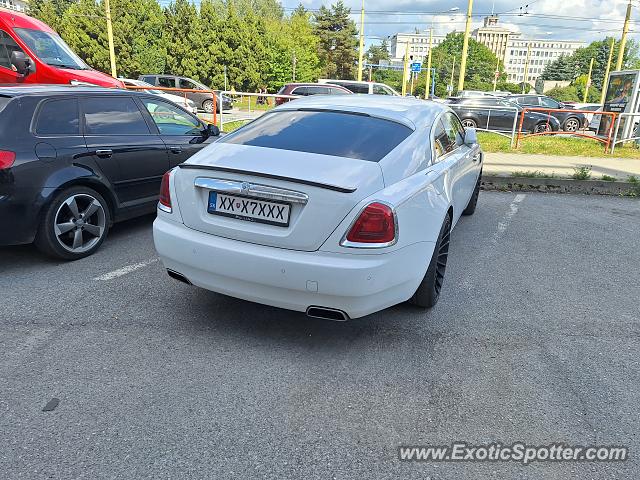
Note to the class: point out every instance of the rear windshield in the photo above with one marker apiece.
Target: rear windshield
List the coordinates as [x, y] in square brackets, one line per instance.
[327, 133]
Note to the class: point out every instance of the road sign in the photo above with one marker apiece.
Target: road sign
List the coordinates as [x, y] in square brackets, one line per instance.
[416, 67]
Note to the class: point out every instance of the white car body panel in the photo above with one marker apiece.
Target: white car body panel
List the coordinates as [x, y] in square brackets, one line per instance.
[305, 264]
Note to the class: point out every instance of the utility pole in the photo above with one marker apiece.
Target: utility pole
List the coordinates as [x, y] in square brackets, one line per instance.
[623, 40]
[112, 51]
[453, 69]
[225, 78]
[526, 69]
[605, 81]
[361, 53]
[465, 47]
[428, 83]
[404, 70]
[495, 75]
[586, 87]
[370, 73]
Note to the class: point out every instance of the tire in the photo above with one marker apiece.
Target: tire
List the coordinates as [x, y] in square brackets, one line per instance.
[571, 125]
[473, 201]
[542, 127]
[207, 106]
[428, 291]
[74, 224]
[469, 123]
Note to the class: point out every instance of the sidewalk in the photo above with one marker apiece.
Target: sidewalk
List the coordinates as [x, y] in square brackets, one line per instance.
[504, 164]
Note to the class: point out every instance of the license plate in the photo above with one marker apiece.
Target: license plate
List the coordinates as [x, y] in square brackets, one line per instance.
[250, 209]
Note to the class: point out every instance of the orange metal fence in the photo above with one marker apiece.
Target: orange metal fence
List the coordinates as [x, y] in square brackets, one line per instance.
[184, 91]
[606, 139]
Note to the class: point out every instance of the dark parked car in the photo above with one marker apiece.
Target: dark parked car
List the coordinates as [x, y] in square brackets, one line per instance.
[306, 89]
[73, 160]
[204, 100]
[570, 121]
[497, 114]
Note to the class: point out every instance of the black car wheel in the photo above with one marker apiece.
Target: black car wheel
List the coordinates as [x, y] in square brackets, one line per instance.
[469, 123]
[74, 224]
[542, 127]
[207, 106]
[571, 125]
[473, 201]
[428, 292]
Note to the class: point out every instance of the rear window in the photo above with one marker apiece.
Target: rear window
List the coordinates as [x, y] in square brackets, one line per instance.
[59, 117]
[324, 132]
[356, 87]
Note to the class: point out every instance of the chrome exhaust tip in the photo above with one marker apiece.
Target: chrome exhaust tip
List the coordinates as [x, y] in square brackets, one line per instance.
[326, 313]
[178, 276]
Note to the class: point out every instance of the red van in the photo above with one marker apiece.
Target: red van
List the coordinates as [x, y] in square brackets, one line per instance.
[31, 52]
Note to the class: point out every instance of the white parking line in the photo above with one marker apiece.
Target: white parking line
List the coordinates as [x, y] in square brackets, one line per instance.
[513, 209]
[125, 270]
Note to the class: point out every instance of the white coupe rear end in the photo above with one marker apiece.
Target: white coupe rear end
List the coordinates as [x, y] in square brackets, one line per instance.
[327, 207]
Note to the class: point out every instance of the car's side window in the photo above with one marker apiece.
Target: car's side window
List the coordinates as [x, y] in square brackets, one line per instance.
[187, 84]
[299, 91]
[442, 144]
[167, 82]
[337, 91]
[7, 47]
[58, 117]
[379, 90]
[549, 103]
[317, 90]
[528, 101]
[171, 120]
[455, 129]
[113, 116]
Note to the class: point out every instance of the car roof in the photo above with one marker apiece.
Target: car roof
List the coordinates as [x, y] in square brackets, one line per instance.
[16, 19]
[16, 90]
[409, 111]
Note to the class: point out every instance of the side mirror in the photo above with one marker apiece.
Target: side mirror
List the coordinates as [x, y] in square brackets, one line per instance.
[561, 105]
[212, 130]
[470, 136]
[22, 63]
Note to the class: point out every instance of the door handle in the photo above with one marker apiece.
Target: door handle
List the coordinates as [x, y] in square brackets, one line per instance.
[175, 149]
[105, 153]
[476, 157]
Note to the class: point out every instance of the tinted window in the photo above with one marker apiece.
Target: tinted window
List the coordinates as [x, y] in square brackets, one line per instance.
[549, 102]
[187, 84]
[489, 102]
[442, 144]
[59, 117]
[454, 129]
[380, 90]
[337, 91]
[299, 91]
[327, 133]
[149, 79]
[354, 87]
[317, 91]
[171, 120]
[528, 101]
[7, 46]
[113, 116]
[167, 82]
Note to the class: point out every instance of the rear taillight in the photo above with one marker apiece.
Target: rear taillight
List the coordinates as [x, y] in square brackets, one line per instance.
[376, 224]
[164, 202]
[6, 159]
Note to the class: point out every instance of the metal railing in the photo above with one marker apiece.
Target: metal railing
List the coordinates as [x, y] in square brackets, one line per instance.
[618, 121]
[259, 96]
[605, 139]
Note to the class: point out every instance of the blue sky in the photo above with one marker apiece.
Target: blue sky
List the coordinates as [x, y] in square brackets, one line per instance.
[584, 20]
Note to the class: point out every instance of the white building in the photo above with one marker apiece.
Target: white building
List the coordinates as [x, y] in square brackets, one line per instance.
[418, 44]
[18, 5]
[543, 52]
[507, 45]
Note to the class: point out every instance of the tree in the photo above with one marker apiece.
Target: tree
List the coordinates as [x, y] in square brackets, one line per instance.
[337, 41]
[49, 11]
[375, 53]
[185, 40]
[564, 94]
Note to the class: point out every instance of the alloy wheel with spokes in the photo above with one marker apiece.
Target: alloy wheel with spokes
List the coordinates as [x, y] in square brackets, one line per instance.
[541, 128]
[572, 125]
[469, 123]
[441, 262]
[80, 222]
[74, 224]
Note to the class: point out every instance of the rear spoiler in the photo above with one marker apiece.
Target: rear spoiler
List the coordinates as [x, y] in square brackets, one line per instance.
[326, 186]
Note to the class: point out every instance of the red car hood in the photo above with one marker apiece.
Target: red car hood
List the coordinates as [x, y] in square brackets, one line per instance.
[93, 77]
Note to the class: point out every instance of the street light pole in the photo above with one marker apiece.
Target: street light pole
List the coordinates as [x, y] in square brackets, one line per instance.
[586, 87]
[465, 47]
[361, 52]
[112, 51]
[605, 81]
[526, 68]
[623, 40]
[428, 83]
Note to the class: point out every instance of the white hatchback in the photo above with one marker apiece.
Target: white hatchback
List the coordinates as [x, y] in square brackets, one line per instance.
[337, 206]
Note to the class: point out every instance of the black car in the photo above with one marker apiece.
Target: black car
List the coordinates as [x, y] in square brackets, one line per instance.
[497, 114]
[203, 100]
[570, 121]
[73, 160]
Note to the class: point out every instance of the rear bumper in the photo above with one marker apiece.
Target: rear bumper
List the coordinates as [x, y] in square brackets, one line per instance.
[354, 283]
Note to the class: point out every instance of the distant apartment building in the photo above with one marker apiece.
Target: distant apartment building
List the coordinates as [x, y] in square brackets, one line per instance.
[507, 45]
[17, 5]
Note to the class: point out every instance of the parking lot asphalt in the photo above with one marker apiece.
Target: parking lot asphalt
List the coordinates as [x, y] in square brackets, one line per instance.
[536, 338]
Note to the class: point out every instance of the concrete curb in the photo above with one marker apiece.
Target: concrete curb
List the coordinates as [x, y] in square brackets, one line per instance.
[559, 185]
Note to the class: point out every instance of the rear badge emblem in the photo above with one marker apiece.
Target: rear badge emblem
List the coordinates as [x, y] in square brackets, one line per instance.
[245, 187]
